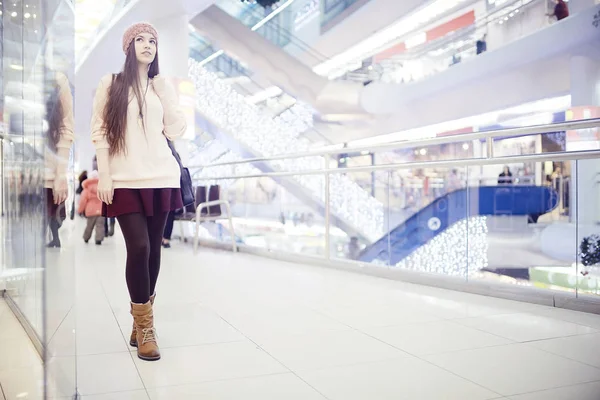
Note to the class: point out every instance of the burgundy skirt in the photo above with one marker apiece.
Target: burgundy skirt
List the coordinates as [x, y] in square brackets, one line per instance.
[145, 201]
[52, 209]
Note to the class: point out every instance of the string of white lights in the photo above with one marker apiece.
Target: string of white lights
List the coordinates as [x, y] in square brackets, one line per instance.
[268, 136]
[461, 250]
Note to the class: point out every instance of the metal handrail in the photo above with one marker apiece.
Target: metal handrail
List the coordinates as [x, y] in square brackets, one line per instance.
[487, 135]
[469, 162]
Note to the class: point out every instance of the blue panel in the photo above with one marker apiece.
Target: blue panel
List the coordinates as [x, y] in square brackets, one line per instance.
[446, 210]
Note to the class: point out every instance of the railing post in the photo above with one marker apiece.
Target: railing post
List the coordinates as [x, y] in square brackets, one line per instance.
[490, 147]
[327, 210]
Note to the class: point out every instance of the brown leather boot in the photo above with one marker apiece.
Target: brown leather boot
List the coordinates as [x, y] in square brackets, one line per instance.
[133, 337]
[143, 317]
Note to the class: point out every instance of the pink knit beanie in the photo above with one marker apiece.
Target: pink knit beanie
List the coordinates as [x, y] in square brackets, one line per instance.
[136, 29]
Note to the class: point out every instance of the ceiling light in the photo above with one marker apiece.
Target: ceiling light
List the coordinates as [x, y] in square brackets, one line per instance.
[501, 22]
[423, 152]
[34, 16]
[466, 146]
[16, 67]
[511, 14]
[13, 14]
[27, 15]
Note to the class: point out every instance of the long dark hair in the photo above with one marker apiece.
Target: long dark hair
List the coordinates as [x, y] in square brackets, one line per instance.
[115, 110]
[54, 116]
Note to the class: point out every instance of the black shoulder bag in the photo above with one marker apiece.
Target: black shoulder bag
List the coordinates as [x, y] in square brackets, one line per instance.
[185, 182]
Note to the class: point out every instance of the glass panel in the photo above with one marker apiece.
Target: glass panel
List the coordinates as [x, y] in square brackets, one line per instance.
[530, 240]
[417, 219]
[25, 98]
[277, 215]
[587, 232]
[61, 275]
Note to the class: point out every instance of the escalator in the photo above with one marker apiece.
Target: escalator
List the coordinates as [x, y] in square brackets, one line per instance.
[454, 207]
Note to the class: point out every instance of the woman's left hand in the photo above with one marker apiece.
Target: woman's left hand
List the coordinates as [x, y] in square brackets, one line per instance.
[60, 190]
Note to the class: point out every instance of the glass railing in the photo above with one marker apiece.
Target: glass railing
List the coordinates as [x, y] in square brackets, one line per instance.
[274, 25]
[528, 220]
[226, 66]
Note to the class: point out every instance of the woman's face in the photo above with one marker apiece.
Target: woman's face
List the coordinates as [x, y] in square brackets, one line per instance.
[145, 48]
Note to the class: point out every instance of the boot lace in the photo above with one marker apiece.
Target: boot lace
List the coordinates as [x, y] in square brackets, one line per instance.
[149, 335]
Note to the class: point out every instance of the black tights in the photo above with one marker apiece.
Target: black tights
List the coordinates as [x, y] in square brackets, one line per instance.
[143, 239]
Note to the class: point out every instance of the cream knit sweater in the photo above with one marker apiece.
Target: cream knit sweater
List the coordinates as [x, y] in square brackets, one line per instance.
[148, 161]
[52, 162]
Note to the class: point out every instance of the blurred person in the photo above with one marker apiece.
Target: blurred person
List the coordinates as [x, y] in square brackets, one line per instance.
[82, 177]
[481, 44]
[91, 206]
[454, 182]
[166, 241]
[456, 58]
[59, 139]
[135, 112]
[561, 10]
[505, 177]
[353, 248]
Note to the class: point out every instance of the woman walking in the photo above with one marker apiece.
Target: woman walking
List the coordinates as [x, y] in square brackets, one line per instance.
[135, 112]
[59, 113]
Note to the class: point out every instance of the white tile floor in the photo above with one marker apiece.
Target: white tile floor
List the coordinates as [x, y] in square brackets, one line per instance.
[235, 327]
[21, 373]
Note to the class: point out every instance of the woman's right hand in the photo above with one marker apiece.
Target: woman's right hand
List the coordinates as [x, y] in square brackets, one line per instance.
[106, 190]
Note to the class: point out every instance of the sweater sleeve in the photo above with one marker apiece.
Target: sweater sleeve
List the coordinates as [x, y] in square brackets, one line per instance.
[173, 118]
[66, 100]
[97, 124]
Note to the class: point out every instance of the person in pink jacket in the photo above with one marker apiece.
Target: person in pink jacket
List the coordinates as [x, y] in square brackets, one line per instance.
[91, 206]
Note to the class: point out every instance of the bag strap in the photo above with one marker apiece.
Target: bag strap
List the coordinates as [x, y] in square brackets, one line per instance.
[175, 154]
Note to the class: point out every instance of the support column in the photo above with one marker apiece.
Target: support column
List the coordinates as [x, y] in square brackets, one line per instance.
[585, 174]
[173, 45]
[173, 54]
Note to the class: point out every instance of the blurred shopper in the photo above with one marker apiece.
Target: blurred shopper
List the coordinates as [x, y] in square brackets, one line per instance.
[82, 177]
[481, 44]
[561, 10]
[454, 182]
[91, 206]
[456, 58]
[166, 241]
[59, 113]
[505, 177]
[353, 248]
[135, 111]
